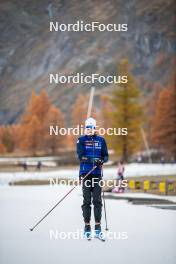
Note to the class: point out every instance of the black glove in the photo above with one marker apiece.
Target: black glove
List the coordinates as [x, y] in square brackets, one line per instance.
[98, 161]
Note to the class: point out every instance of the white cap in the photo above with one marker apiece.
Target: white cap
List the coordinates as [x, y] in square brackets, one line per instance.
[90, 123]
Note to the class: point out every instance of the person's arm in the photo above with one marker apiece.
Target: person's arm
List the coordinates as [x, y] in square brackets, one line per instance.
[80, 149]
[104, 152]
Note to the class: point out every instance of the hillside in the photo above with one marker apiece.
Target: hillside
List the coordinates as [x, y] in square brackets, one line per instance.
[29, 52]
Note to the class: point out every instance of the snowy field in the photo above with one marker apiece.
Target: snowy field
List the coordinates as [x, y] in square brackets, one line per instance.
[151, 234]
[131, 170]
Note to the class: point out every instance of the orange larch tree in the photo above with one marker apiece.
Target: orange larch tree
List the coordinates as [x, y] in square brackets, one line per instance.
[54, 118]
[40, 113]
[164, 123]
[31, 135]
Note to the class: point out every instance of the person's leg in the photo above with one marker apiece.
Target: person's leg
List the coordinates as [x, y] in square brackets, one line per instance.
[86, 206]
[97, 200]
[122, 188]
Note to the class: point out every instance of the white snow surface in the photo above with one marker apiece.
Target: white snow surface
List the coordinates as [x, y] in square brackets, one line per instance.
[131, 170]
[151, 234]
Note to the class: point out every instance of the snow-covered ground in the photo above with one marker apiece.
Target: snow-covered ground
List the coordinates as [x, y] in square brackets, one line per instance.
[151, 234]
[131, 170]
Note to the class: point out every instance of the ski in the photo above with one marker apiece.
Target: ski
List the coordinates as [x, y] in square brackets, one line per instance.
[100, 238]
[88, 238]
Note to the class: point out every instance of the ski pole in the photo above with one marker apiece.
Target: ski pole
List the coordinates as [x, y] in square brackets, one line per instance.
[105, 212]
[104, 204]
[31, 229]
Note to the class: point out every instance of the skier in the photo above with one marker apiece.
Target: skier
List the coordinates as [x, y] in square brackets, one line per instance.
[120, 170]
[120, 174]
[120, 177]
[92, 151]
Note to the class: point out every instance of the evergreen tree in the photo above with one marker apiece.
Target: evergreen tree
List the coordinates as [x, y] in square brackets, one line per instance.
[127, 113]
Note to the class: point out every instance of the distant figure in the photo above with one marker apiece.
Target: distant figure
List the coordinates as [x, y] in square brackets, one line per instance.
[39, 165]
[25, 167]
[162, 160]
[120, 174]
[120, 170]
[139, 159]
[120, 177]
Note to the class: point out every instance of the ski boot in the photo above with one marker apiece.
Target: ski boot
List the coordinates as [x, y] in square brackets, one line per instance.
[87, 232]
[98, 233]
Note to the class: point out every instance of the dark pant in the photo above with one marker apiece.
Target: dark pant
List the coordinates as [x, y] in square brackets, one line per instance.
[92, 193]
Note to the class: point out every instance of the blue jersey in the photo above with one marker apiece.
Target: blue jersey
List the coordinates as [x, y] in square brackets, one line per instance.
[90, 148]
